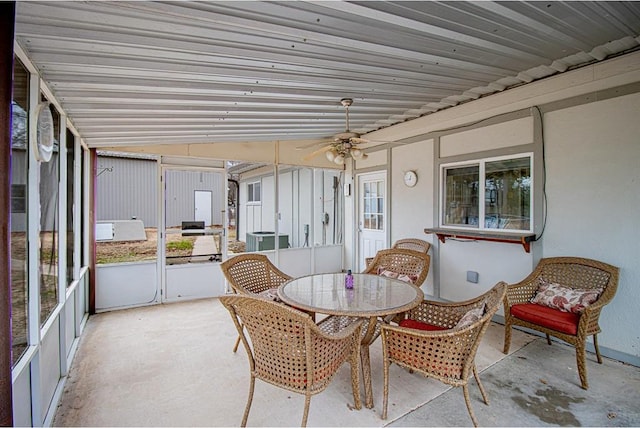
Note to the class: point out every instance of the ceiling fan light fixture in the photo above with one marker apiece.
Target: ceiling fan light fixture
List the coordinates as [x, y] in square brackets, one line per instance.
[345, 144]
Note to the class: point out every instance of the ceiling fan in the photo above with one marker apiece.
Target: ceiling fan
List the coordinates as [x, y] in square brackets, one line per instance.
[345, 144]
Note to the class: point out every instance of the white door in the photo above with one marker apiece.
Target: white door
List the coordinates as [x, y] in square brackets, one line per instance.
[191, 263]
[202, 208]
[372, 215]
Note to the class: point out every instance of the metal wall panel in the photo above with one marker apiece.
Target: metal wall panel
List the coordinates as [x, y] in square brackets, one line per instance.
[126, 189]
[180, 195]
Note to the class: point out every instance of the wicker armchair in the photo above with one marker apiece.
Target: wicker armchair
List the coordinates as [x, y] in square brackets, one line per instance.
[253, 274]
[404, 262]
[407, 244]
[577, 274]
[436, 346]
[408, 263]
[290, 351]
[412, 244]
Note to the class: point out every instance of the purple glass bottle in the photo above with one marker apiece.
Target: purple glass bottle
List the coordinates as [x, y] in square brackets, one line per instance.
[348, 280]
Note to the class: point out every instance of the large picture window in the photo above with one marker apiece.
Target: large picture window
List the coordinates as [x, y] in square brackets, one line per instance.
[488, 194]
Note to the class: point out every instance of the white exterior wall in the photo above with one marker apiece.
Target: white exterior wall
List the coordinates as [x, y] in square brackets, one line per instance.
[410, 223]
[593, 179]
[592, 152]
[303, 200]
[492, 261]
[492, 137]
[303, 194]
[268, 212]
[295, 205]
[250, 213]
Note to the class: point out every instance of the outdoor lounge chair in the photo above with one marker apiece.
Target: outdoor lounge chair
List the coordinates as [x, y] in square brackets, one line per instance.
[440, 340]
[562, 297]
[290, 351]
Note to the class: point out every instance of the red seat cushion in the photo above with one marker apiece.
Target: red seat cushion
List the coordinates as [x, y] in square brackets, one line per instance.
[419, 325]
[565, 322]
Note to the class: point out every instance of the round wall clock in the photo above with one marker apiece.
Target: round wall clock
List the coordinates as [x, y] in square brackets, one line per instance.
[44, 137]
[410, 178]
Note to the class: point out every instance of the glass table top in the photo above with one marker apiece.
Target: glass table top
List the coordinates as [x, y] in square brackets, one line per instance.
[372, 295]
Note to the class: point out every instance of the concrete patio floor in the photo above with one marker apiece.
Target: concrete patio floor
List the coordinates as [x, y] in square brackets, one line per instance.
[173, 365]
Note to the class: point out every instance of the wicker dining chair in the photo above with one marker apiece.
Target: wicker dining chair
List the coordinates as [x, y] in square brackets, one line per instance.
[407, 244]
[253, 274]
[290, 351]
[440, 340]
[405, 265]
[583, 277]
[412, 266]
[412, 244]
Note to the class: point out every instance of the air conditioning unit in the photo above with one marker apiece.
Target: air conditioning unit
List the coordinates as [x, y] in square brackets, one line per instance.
[263, 241]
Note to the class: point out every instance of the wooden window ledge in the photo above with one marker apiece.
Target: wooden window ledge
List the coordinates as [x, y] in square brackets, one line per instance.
[523, 238]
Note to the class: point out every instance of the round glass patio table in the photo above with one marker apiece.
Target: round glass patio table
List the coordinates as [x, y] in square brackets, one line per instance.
[372, 296]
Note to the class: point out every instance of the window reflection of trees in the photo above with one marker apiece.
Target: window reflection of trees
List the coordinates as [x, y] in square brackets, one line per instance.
[49, 226]
[507, 194]
[19, 278]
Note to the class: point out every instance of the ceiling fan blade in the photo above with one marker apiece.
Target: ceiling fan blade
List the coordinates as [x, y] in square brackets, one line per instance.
[317, 152]
[375, 142]
[359, 140]
[308, 146]
[363, 144]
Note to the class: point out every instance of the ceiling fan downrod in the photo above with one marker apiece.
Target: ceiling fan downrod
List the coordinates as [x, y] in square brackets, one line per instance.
[346, 102]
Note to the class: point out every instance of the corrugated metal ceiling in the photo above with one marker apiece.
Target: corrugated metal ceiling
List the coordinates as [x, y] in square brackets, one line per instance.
[131, 73]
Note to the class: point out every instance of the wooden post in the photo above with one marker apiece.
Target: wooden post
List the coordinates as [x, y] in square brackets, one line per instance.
[93, 174]
[7, 20]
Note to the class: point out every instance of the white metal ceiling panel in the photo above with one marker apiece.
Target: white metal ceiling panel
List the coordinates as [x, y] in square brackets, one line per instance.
[141, 72]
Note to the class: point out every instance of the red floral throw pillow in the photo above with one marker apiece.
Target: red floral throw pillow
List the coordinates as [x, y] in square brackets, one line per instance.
[563, 298]
[471, 316]
[270, 294]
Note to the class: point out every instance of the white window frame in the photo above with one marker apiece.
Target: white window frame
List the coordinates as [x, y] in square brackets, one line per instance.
[481, 163]
[251, 193]
[381, 215]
